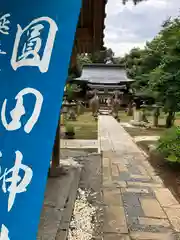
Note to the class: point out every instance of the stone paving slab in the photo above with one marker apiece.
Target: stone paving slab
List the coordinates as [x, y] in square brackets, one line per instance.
[174, 217]
[154, 221]
[146, 138]
[165, 197]
[116, 237]
[138, 205]
[79, 144]
[112, 197]
[151, 236]
[152, 208]
[115, 221]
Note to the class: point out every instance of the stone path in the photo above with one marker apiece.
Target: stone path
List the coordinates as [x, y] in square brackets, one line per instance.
[138, 206]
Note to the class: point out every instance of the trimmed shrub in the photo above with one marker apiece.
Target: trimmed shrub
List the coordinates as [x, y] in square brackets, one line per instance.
[169, 144]
[69, 128]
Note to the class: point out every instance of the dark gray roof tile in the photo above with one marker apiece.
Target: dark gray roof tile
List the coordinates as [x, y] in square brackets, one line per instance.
[104, 74]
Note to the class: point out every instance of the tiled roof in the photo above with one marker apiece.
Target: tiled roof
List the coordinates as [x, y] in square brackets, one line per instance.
[109, 86]
[104, 74]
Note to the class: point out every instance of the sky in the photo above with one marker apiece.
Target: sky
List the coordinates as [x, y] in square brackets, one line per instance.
[131, 26]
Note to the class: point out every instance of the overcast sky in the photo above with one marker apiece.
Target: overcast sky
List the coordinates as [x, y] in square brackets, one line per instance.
[131, 26]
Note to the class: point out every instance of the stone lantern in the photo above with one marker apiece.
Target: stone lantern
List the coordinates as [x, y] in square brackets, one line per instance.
[156, 114]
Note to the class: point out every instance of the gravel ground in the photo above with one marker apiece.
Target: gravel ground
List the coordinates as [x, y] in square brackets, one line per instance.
[82, 226]
[87, 218]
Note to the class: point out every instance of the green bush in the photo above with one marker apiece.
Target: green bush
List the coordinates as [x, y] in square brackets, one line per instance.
[69, 128]
[169, 144]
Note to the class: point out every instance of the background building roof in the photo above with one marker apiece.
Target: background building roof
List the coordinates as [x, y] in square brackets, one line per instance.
[104, 74]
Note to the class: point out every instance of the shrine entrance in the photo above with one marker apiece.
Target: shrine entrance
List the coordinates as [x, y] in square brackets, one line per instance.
[105, 79]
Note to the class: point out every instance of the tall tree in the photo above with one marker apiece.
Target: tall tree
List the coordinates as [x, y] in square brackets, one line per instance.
[102, 56]
[165, 79]
[157, 67]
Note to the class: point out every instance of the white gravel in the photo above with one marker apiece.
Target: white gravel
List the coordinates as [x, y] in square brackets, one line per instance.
[81, 226]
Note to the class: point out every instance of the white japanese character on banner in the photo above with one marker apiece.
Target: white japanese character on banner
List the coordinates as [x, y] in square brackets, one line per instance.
[4, 28]
[18, 184]
[19, 111]
[2, 52]
[34, 44]
[4, 234]
[4, 22]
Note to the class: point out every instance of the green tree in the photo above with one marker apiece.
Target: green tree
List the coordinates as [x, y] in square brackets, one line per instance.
[165, 79]
[102, 56]
[156, 68]
[98, 57]
[84, 59]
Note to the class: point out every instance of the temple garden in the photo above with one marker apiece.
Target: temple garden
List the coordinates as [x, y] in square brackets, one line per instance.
[148, 131]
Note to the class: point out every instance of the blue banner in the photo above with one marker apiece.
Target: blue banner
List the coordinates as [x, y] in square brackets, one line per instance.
[36, 39]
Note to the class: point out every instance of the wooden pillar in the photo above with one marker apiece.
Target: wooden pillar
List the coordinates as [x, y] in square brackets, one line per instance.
[56, 149]
[97, 31]
[73, 62]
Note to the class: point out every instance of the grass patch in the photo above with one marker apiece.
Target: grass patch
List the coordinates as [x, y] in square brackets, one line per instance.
[144, 132]
[123, 117]
[85, 127]
[140, 131]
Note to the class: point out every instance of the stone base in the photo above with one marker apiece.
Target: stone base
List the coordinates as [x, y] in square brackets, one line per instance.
[137, 116]
[138, 123]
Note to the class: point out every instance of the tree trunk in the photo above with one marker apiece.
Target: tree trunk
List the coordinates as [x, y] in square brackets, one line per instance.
[170, 119]
[155, 121]
[144, 118]
[130, 110]
[56, 170]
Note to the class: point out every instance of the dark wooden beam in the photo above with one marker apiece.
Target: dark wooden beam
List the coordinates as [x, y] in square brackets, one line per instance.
[73, 62]
[91, 26]
[84, 34]
[98, 24]
[56, 149]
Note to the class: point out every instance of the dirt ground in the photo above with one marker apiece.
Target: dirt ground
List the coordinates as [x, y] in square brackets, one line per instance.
[170, 173]
[145, 132]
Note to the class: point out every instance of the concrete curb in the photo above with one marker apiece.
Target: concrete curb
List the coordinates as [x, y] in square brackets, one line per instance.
[63, 231]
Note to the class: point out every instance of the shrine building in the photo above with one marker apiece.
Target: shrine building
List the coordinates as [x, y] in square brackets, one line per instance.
[106, 79]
